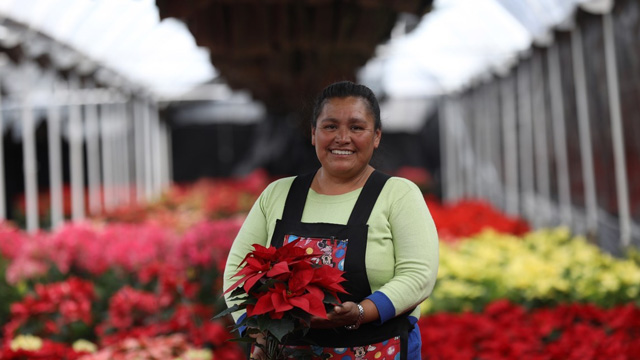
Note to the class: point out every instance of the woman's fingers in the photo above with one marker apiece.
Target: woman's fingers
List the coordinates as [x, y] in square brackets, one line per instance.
[258, 354]
[341, 315]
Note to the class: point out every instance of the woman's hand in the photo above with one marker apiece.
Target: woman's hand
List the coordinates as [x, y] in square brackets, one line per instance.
[257, 352]
[341, 315]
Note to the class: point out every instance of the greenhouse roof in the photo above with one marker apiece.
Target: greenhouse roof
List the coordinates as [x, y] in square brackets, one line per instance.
[454, 43]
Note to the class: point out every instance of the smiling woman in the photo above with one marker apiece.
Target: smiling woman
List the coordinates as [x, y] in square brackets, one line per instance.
[375, 228]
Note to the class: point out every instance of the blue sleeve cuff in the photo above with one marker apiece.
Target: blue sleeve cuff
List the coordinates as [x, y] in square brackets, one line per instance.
[385, 307]
[242, 329]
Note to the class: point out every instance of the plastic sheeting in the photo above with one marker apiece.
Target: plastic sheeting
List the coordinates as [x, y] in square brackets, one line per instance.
[463, 41]
[124, 36]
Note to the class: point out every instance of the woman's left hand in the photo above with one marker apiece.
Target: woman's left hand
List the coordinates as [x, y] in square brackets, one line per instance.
[341, 315]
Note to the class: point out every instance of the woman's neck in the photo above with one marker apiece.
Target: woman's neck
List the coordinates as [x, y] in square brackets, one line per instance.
[324, 183]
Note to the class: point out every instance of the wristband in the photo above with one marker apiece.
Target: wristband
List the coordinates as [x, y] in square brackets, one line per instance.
[359, 321]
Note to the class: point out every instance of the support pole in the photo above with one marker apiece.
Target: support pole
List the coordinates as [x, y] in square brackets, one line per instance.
[108, 182]
[494, 140]
[120, 147]
[93, 154]
[155, 149]
[446, 160]
[165, 154]
[510, 150]
[55, 159]
[139, 142]
[559, 134]
[540, 142]
[476, 124]
[624, 214]
[3, 194]
[465, 145]
[584, 130]
[525, 138]
[76, 154]
[29, 165]
[126, 163]
[148, 154]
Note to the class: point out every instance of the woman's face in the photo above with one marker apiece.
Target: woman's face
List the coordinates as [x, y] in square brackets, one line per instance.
[345, 136]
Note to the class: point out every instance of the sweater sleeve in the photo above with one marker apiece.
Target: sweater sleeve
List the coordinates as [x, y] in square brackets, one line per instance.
[254, 230]
[415, 244]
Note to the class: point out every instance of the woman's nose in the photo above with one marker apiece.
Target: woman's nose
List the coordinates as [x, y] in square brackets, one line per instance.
[342, 135]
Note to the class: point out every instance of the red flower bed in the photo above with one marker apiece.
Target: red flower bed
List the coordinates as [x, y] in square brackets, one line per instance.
[508, 331]
[466, 218]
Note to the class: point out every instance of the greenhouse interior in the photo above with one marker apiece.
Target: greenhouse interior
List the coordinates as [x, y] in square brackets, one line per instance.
[136, 136]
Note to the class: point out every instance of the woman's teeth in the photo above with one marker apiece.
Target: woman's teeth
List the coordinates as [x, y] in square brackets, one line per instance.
[341, 152]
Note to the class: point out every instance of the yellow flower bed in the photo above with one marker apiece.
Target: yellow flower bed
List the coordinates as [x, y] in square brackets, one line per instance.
[544, 267]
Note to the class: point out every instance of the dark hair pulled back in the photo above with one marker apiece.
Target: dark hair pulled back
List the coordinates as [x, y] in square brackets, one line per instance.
[343, 89]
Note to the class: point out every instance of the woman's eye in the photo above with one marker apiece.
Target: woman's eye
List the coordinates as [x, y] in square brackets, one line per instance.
[357, 128]
[330, 127]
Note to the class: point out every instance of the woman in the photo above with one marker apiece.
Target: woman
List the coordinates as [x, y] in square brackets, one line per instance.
[374, 227]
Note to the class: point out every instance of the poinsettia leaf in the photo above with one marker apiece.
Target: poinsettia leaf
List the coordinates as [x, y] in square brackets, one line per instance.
[227, 311]
[280, 303]
[300, 279]
[257, 264]
[251, 322]
[316, 306]
[238, 292]
[262, 252]
[263, 305]
[243, 339]
[278, 269]
[235, 284]
[300, 302]
[252, 281]
[281, 328]
[330, 298]
[262, 322]
[249, 301]
[303, 318]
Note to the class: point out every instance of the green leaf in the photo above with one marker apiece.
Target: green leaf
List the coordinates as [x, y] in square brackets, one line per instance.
[243, 339]
[251, 322]
[239, 291]
[280, 328]
[227, 311]
[330, 299]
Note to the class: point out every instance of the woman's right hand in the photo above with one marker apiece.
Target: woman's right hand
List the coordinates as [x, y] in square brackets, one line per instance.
[257, 352]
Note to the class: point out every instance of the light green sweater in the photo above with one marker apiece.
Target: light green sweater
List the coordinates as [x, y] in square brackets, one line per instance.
[402, 244]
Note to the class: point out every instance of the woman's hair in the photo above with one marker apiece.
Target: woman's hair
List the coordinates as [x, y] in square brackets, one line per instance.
[345, 89]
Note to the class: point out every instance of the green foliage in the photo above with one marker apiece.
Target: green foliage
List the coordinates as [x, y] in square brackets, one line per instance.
[8, 293]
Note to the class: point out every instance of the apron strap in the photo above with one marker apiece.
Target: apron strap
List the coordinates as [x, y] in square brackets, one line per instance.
[297, 197]
[368, 197]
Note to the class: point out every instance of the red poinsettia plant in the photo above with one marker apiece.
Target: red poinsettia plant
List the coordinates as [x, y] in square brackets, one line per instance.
[280, 289]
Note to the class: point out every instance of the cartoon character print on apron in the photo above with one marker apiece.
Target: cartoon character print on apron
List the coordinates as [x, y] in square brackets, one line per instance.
[333, 250]
[344, 247]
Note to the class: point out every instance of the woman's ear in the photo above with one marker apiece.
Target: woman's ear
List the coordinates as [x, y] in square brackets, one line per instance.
[376, 138]
[313, 135]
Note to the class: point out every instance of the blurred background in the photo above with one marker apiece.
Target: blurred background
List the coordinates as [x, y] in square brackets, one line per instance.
[163, 120]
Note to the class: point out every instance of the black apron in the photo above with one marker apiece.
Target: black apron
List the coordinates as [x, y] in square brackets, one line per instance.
[357, 283]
